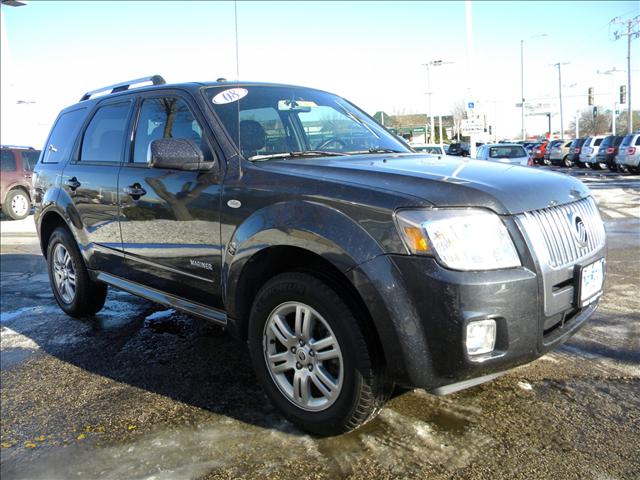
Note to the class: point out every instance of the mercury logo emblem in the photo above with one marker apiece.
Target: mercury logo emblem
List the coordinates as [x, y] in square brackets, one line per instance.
[579, 229]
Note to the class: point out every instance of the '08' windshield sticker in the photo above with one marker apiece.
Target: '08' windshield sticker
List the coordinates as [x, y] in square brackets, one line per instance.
[230, 95]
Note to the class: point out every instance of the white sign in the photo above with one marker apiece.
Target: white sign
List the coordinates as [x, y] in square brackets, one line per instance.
[471, 127]
[230, 95]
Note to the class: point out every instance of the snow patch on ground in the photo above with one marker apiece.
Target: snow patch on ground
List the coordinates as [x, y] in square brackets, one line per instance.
[11, 339]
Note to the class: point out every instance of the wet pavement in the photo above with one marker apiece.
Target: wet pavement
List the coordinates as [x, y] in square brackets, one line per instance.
[143, 392]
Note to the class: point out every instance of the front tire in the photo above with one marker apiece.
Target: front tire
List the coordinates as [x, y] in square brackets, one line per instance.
[17, 204]
[566, 162]
[312, 358]
[72, 287]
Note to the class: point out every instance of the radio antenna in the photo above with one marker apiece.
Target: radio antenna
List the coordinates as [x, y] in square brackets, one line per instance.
[235, 11]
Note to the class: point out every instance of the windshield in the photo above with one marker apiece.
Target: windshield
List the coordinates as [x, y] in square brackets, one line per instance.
[626, 141]
[277, 122]
[608, 141]
[514, 151]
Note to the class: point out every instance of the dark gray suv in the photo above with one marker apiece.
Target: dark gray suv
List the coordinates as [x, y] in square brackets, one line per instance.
[347, 262]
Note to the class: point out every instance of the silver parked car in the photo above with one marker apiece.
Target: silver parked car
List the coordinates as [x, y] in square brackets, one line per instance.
[559, 153]
[590, 149]
[629, 153]
[504, 153]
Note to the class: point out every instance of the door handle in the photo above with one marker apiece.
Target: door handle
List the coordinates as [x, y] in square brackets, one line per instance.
[72, 183]
[135, 190]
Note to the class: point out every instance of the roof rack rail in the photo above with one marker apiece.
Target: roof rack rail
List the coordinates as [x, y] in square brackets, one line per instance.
[121, 87]
[23, 147]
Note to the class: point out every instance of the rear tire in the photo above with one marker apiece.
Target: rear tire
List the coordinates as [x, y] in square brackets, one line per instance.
[297, 381]
[17, 204]
[566, 162]
[72, 287]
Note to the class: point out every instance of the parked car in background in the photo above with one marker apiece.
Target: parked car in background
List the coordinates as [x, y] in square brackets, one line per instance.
[539, 152]
[628, 156]
[605, 158]
[546, 160]
[559, 152]
[505, 153]
[428, 148]
[459, 150]
[445, 146]
[15, 180]
[574, 152]
[589, 150]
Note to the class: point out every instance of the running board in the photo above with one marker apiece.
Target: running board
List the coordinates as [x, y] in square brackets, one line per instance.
[164, 298]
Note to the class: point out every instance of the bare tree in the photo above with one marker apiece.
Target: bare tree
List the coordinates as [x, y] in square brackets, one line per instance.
[459, 113]
[591, 124]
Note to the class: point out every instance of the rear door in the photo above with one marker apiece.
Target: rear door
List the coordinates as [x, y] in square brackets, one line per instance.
[171, 227]
[9, 174]
[91, 181]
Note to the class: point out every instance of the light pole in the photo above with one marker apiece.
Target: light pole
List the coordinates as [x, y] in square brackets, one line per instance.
[522, 76]
[632, 31]
[559, 65]
[432, 63]
[611, 72]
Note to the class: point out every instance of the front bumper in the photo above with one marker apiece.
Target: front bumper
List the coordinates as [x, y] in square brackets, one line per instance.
[447, 301]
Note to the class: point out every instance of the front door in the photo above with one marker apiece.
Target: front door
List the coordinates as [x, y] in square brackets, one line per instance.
[91, 180]
[170, 218]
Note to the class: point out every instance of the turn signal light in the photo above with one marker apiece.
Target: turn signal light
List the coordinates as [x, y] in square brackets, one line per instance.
[416, 239]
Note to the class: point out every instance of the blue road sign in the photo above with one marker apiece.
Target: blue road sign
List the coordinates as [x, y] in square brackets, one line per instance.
[470, 105]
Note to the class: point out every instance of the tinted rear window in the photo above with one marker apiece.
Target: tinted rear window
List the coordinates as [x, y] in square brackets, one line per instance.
[29, 159]
[63, 136]
[8, 162]
[597, 142]
[607, 142]
[507, 152]
[626, 141]
[637, 140]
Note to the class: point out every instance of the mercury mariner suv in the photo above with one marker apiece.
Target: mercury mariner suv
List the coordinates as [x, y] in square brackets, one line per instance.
[348, 263]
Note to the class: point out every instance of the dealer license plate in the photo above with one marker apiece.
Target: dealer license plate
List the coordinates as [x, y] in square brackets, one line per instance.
[591, 280]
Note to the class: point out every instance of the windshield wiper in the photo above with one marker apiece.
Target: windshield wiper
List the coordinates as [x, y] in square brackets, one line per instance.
[301, 153]
[376, 150]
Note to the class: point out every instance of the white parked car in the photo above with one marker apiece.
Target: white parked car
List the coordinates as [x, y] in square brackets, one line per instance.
[590, 149]
[629, 153]
[428, 148]
[512, 153]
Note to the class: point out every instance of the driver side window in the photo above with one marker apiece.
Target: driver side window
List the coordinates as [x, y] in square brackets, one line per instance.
[166, 117]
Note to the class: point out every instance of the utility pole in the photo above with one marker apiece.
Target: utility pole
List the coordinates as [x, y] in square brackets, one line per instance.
[631, 32]
[559, 65]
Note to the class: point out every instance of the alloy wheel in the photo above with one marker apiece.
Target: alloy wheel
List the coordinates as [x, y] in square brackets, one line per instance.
[303, 356]
[64, 274]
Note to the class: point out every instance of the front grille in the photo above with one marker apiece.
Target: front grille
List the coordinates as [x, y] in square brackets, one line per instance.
[554, 231]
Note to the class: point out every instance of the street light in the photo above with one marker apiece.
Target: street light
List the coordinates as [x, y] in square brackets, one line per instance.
[559, 65]
[433, 63]
[522, 75]
[612, 71]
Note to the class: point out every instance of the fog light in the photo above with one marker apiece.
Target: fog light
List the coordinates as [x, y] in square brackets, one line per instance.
[481, 337]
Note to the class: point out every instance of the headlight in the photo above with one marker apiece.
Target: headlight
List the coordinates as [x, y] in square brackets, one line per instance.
[460, 239]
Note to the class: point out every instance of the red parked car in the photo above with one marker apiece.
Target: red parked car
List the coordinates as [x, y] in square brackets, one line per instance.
[15, 187]
[538, 151]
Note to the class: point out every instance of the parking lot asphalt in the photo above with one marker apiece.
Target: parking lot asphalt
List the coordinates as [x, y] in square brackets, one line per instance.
[143, 392]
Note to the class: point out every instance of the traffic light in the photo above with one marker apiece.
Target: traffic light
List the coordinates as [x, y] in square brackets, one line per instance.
[595, 111]
[489, 129]
[623, 94]
[590, 96]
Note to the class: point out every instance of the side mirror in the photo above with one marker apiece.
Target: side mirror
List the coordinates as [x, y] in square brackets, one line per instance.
[177, 154]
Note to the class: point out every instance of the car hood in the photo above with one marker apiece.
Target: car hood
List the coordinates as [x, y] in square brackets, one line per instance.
[444, 181]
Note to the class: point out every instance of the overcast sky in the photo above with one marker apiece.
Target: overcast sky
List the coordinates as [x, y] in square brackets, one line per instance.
[369, 52]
